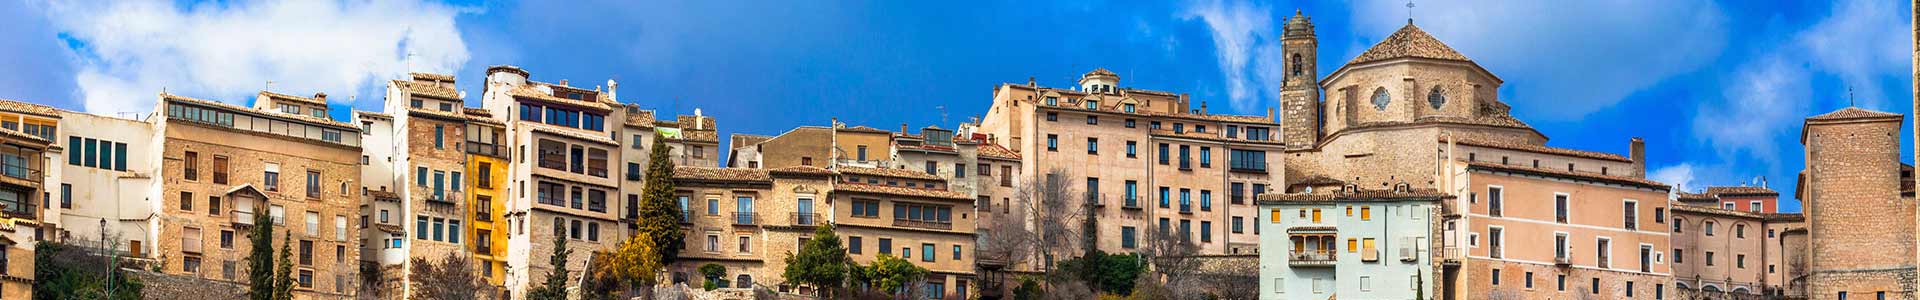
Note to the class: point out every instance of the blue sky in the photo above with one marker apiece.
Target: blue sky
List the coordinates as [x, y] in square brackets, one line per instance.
[1718, 89]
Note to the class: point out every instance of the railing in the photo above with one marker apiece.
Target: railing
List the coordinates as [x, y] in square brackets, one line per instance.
[242, 217]
[1311, 258]
[746, 219]
[23, 209]
[486, 248]
[1562, 260]
[483, 215]
[220, 177]
[804, 219]
[486, 149]
[21, 172]
[1452, 255]
[1131, 203]
[922, 224]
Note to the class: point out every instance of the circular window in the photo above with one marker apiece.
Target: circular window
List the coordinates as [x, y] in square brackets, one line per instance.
[1380, 99]
[1437, 97]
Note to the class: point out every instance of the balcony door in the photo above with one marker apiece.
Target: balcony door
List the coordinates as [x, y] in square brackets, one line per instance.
[806, 212]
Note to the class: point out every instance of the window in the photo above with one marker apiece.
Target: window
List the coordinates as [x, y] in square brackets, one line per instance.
[1632, 214]
[1206, 156]
[1052, 116]
[1132, 194]
[1132, 149]
[1236, 227]
[1128, 237]
[1130, 122]
[1528, 280]
[1185, 159]
[1206, 231]
[861, 153]
[959, 170]
[1709, 257]
[1093, 146]
[713, 243]
[1092, 120]
[306, 253]
[886, 246]
[1495, 277]
[853, 245]
[1366, 213]
[1560, 208]
[1740, 261]
[1186, 201]
[306, 278]
[1206, 200]
[313, 184]
[1560, 282]
[340, 228]
[1493, 200]
[192, 162]
[1163, 154]
[1164, 197]
[593, 231]
[1494, 240]
[1247, 160]
[186, 201]
[1709, 228]
[1740, 231]
[1053, 142]
[926, 252]
[272, 179]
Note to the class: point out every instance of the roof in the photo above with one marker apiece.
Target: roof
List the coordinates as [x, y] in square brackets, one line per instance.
[25, 107]
[1703, 209]
[802, 170]
[383, 195]
[1359, 195]
[1693, 196]
[531, 91]
[431, 76]
[902, 191]
[1409, 41]
[738, 140]
[1717, 191]
[997, 151]
[863, 129]
[1542, 149]
[719, 174]
[1100, 71]
[259, 112]
[428, 90]
[294, 98]
[375, 114]
[550, 129]
[1854, 113]
[887, 172]
[1623, 180]
[1319, 180]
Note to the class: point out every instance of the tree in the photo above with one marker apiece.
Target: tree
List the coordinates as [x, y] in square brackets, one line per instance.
[450, 277]
[1048, 217]
[63, 271]
[660, 214]
[891, 274]
[555, 287]
[712, 273]
[822, 262]
[1108, 273]
[636, 263]
[260, 279]
[283, 281]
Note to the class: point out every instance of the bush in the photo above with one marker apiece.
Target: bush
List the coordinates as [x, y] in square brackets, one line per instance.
[1029, 289]
[1105, 272]
[713, 271]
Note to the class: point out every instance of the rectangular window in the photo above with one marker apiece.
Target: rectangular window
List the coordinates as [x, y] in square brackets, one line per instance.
[313, 184]
[926, 252]
[853, 245]
[1206, 157]
[1093, 146]
[186, 201]
[192, 162]
[1206, 231]
[1127, 237]
[1132, 194]
[1493, 200]
[1560, 208]
[1494, 241]
[886, 246]
[1632, 214]
[1053, 142]
[1206, 200]
[1236, 226]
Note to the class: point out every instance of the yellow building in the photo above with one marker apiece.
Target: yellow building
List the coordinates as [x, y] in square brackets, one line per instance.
[24, 144]
[487, 160]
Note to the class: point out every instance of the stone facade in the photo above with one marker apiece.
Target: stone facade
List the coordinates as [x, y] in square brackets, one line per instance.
[221, 164]
[1852, 191]
[1730, 253]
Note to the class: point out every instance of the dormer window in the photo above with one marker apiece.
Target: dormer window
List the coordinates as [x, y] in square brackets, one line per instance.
[1127, 107]
[1092, 104]
[1053, 101]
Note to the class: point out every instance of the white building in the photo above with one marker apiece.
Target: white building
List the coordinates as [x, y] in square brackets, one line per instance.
[103, 180]
[1350, 244]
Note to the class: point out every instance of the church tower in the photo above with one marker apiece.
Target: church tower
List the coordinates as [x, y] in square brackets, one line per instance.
[1300, 91]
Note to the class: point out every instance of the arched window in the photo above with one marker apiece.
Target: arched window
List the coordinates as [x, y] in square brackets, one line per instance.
[1436, 97]
[1381, 99]
[743, 281]
[1297, 65]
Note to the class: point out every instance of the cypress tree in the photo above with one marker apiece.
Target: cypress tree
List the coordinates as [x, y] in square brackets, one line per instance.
[283, 285]
[260, 259]
[659, 212]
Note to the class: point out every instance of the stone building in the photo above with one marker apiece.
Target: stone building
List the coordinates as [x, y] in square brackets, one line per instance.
[747, 220]
[1386, 253]
[1148, 161]
[222, 163]
[26, 150]
[911, 215]
[1860, 223]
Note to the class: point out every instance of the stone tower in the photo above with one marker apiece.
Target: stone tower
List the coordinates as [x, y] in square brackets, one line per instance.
[1860, 227]
[1300, 91]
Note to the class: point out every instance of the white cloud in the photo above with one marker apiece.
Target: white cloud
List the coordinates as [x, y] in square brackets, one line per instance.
[1680, 176]
[227, 51]
[1563, 59]
[1242, 33]
[1862, 42]
[1763, 100]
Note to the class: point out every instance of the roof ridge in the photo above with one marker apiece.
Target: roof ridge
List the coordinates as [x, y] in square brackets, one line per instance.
[1409, 41]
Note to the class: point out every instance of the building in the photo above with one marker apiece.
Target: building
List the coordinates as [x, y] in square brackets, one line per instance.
[1386, 254]
[561, 180]
[103, 188]
[431, 161]
[1144, 159]
[1722, 253]
[488, 163]
[911, 215]
[1860, 223]
[223, 163]
[746, 220]
[25, 148]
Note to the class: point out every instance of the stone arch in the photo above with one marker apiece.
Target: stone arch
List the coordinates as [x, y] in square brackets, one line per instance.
[1710, 288]
[1680, 285]
[1742, 290]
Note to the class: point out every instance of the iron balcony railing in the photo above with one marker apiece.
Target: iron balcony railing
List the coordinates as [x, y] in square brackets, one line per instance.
[1311, 258]
[486, 149]
[922, 224]
[744, 218]
[21, 172]
[804, 219]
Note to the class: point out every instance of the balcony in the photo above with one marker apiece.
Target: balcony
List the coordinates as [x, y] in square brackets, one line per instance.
[804, 219]
[483, 248]
[1563, 261]
[744, 219]
[486, 149]
[1131, 203]
[220, 177]
[1311, 258]
[1451, 256]
[242, 218]
[439, 198]
[922, 224]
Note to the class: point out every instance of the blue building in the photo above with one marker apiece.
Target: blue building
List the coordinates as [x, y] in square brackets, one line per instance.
[1350, 243]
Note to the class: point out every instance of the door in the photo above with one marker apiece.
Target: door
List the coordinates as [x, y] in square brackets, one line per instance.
[805, 210]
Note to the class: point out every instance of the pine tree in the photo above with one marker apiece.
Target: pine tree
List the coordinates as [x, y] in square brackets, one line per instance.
[660, 214]
[260, 259]
[556, 286]
[283, 284]
[822, 262]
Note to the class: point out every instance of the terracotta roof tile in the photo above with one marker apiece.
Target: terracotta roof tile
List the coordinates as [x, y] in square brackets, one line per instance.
[1853, 113]
[276, 114]
[864, 129]
[1542, 149]
[802, 170]
[738, 140]
[428, 90]
[1740, 190]
[431, 76]
[1319, 180]
[1678, 208]
[1692, 196]
[31, 108]
[307, 100]
[887, 172]
[532, 92]
[700, 136]
[997, 151]
[1409, 41]
[719, 174]
[1642, 182]
[902, 191]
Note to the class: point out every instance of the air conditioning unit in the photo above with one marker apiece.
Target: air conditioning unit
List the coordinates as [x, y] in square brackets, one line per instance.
[1409, 254]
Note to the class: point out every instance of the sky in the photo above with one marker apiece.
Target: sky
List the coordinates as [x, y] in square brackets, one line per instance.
[1718, 89]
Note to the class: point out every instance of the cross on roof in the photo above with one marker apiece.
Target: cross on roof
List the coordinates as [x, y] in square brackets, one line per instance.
[1409, 12]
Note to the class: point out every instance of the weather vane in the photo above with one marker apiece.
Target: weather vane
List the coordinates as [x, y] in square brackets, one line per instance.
[1409, 12]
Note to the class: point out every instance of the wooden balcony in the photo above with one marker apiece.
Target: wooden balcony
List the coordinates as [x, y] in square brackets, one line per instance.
[1311, 258]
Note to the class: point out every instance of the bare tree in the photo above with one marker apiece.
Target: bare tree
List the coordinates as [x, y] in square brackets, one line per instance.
[453, 277]
[1171, 253]
[1049, 217]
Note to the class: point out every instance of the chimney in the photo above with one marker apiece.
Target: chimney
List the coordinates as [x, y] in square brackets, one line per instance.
[563, 82]
[320, 96]
[1030, 81]
[1638, 150]
[1203, 107]
[903, 128]
[613, 89]
[1270, 115]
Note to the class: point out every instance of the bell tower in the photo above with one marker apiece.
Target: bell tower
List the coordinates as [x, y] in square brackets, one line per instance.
[1300, 91]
